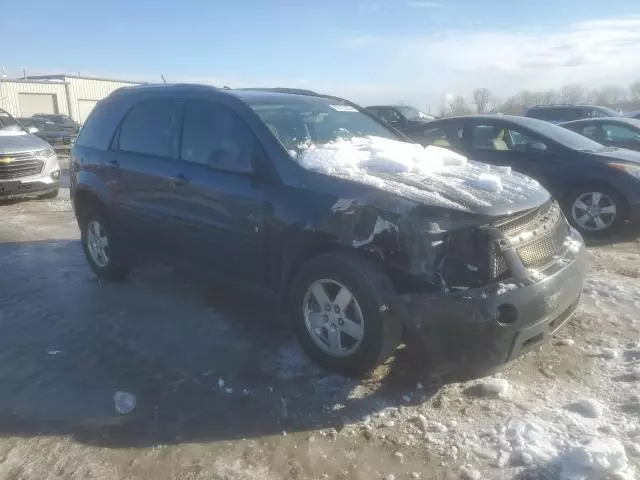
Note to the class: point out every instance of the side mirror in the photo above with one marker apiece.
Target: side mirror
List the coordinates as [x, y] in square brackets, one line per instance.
[32, 130]
[537, 147]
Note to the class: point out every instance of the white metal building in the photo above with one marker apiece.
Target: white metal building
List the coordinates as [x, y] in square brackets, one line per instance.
[66, 94]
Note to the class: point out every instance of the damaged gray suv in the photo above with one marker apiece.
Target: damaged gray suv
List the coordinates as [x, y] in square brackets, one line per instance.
[364, 235]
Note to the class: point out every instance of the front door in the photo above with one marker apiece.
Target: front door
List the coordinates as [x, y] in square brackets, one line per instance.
[500, 143]
[224, 191]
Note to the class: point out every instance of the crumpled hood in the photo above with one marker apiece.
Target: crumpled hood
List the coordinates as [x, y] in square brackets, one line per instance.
[17, 142]
[470, 187]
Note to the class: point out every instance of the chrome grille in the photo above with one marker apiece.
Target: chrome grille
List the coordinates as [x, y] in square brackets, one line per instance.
[541, 251]
[19, 165]
[513, 224]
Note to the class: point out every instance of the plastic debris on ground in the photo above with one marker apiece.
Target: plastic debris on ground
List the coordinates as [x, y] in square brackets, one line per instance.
[124, 402]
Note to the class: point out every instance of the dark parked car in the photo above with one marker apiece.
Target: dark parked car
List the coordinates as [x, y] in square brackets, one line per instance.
[598, 186]
[63, 122]
[568, 113]
[263, 189]
[618, 132]
[399, 116]
[52, 133]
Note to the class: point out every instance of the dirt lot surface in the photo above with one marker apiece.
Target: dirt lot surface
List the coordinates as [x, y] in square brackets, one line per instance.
[222, 390]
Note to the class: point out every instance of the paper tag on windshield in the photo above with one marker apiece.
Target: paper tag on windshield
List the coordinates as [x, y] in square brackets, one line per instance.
[343, 108]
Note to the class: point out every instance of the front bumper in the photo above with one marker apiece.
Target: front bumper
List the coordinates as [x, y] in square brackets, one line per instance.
[48, 180]
[18, 189]
[477, 330]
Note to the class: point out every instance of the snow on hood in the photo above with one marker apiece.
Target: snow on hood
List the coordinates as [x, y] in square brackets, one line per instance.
[363, 154]
[430, 174]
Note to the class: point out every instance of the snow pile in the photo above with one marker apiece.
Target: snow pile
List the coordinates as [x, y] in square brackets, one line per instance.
[494, 387]
[485, 181]
[376, 154]
[599, 459]
[587, 407]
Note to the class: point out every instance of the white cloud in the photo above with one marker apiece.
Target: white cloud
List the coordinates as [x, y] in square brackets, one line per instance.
[593, 53]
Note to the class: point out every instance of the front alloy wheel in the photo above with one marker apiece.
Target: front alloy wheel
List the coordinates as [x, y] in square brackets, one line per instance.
[333, 318]
[594, 211]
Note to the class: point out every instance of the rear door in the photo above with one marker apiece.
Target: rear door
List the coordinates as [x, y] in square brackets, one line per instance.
[150, 173]
[224, 190]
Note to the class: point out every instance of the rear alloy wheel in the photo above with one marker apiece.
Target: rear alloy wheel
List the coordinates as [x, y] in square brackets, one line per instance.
[596, 210]
[102, 247]
[345, 313]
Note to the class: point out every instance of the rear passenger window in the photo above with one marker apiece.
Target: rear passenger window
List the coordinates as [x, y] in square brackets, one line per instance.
[214, 135]
[97, 132]
[148, 128]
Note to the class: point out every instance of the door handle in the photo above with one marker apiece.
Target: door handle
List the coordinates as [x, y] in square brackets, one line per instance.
[179, 180]
[113, 164]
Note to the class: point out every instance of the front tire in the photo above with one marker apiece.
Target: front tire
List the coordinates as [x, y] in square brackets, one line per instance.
[345, 313]
[596, 210]
[102, 246]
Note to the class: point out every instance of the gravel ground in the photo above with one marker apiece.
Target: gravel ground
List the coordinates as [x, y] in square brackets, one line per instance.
[222, 390]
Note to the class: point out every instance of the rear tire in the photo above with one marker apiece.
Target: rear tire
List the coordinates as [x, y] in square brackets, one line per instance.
[357, 290]
[50, 195]
[103, 247]
[596, 210]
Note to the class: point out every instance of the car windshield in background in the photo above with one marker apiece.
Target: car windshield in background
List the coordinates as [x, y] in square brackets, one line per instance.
[413, 114]
[299, 122]
[563, 136]
[7, 122]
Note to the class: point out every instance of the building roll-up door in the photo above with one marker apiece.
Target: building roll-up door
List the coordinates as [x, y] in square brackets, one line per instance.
[33, 103]
[84, 109]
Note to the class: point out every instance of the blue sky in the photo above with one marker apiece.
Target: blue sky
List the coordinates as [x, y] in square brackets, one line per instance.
[415, 51]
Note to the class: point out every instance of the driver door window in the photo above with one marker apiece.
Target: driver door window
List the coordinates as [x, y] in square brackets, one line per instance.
[618, 133]
[215, 136]
[500, 138]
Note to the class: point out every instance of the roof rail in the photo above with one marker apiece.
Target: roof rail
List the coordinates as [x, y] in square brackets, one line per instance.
[293, 91]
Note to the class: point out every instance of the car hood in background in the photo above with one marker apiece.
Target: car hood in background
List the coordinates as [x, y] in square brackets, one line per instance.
[18, 142]
[471, 188]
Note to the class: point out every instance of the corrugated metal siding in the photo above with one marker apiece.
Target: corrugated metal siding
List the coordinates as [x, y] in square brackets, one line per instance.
[10, 90]
[89, 89]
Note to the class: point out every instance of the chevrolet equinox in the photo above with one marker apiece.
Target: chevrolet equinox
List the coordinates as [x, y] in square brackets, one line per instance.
[362, 234]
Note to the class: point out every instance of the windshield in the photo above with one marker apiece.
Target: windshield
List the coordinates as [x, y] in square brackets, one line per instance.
[563, 136]
[300, 122]
[8, 123]
[413, 114]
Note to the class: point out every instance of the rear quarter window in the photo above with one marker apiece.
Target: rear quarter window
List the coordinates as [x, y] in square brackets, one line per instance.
[101, 125]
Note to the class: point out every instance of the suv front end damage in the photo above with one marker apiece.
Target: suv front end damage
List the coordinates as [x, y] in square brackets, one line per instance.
[477, 292]
[533, 265]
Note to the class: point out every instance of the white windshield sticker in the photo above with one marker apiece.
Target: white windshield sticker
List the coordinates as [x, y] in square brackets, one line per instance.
[343, 108]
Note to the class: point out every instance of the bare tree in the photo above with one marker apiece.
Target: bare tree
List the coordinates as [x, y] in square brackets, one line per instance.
[572, 94]
[482, 98]
[458, 106]
[550, 97]
[609, 95]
